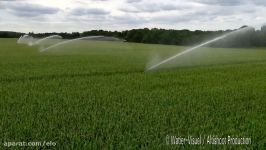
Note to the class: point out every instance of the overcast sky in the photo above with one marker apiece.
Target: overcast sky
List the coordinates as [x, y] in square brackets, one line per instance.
[83, 15]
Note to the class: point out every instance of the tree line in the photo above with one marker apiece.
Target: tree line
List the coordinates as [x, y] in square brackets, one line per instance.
[248, 38]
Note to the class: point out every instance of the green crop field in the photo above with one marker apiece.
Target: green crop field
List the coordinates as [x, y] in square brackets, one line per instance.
[97, 95]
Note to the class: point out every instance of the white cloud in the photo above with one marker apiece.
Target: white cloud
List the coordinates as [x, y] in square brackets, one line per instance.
[80, 15]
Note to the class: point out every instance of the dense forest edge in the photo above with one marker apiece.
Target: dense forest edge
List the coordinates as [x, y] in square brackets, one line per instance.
[249, 38]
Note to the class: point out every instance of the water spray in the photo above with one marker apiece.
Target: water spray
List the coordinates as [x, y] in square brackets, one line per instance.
[44, 39]
[69, 41]
[193, 48]
[19, 40]
[25, 39]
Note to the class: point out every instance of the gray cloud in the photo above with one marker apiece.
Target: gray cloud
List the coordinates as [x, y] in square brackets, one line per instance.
[29, 10]
[133, 1]
[205, 15]
[89, 12]
[2, 6]
[10, 0]
[151, 7]
[222, 2]
[259, 2]
[128, 20]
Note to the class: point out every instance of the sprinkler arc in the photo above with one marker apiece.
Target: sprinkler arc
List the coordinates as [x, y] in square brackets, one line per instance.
[192, 49]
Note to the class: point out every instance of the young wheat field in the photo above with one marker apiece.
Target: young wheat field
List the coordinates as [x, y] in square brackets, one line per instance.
[98, 95]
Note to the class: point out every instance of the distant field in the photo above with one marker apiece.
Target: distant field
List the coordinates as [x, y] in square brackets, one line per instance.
[97, 95]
